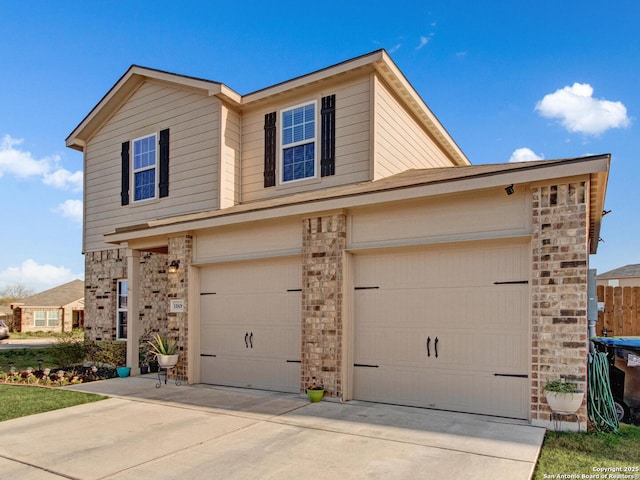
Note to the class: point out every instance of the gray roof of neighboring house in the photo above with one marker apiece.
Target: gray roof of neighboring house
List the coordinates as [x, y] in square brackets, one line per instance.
[626, 271]
[57, 296]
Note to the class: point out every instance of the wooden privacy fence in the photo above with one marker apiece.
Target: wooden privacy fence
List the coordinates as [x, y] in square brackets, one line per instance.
[621, 316]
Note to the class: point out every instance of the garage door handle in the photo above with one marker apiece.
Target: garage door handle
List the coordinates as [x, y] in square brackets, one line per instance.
[435, 344]
[428, 349]
[246, 335]
[251, 339]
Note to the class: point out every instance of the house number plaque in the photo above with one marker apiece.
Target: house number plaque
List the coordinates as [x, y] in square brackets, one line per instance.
[177, 306]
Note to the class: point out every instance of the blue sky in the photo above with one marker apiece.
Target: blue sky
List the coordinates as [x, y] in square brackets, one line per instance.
[508, 80]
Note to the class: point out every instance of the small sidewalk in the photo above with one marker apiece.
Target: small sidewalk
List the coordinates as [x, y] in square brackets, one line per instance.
[204, 432]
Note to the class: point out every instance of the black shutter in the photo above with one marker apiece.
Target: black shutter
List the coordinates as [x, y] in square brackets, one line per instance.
[270, 149]
[328, 136]
[124, 191]
[163, 186]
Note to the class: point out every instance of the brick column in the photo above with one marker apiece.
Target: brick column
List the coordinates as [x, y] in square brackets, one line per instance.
[180, 249]
[323, 245]
[559, 293]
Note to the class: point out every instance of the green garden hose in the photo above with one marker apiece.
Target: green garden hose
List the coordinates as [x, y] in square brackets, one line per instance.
[600, 406]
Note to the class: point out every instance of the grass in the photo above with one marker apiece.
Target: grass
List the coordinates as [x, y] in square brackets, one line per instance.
[20, 401]
[75, 333]
[24, 358]
[567, 453]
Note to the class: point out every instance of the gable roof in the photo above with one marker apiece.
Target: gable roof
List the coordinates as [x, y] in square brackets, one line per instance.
[405, 185]
[55, 297]
[378, 61]
[632, 270]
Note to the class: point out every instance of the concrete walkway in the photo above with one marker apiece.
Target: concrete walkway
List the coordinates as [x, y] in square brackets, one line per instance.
[205, 432]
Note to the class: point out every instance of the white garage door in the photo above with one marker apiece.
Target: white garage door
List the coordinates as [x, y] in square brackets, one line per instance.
[444, 328]
[250, 324]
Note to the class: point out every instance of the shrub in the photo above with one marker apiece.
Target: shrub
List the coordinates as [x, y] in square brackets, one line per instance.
[67, 350]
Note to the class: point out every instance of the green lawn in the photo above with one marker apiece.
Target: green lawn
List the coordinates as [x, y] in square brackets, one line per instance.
[581, 454]
[23, 358]
[20, 401]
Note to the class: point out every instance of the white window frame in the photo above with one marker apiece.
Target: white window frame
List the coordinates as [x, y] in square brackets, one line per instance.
[49, 318]
[314, 140]
[122, 292]
[154, 167]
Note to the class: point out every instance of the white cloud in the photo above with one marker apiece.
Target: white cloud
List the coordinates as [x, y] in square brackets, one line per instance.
[395, 48]
[21, 164]
[524, 155]
[71, 209]
[579, 112]
[423, 42]
[38, 277]
[63, 179]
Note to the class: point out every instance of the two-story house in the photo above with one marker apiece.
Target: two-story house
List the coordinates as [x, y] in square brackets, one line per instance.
[330, 227]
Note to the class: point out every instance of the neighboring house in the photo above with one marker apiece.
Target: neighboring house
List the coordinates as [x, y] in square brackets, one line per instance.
[330, 227]
[627, 276]
[59, 309]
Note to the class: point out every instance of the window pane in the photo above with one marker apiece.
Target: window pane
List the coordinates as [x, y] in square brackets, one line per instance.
[298, 162]
[39, 319]
[145, 183]
[122, 325]
[287, 119]
[52, 318]
[144, 152]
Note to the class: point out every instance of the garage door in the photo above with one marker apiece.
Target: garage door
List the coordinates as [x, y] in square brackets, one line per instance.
[444, 328]
[250, 324]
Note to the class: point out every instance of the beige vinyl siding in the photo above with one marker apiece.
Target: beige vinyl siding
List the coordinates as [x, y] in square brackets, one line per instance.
[193, 120]
[257, 239]
[400, 142]
[482, 214]
[230, 158]
[353, 107]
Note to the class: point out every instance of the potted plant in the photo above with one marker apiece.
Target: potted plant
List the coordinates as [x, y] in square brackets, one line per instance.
[315, 391]
[563, 397]
[142, 359]
[165, 351]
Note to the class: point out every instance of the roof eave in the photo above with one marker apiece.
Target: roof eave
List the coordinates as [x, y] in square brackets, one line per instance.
[133, 78]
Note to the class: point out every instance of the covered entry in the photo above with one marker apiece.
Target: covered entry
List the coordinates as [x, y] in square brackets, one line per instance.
[250, 324]
[444, 327]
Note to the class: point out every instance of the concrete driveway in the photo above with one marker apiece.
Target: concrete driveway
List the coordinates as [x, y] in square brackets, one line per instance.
[205, 432]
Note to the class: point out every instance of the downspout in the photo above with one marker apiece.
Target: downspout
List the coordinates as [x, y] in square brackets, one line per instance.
[592, 303]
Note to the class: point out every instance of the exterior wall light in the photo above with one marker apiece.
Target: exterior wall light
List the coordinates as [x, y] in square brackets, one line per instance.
[174, 266]
[509, 189]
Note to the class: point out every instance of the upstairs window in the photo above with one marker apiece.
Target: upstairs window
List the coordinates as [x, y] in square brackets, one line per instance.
[147, 165]
[144, 168]
[299, 142]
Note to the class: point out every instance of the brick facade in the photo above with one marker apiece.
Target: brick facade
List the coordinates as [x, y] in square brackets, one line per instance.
[180, 249]
[560, 256]
[323, 246]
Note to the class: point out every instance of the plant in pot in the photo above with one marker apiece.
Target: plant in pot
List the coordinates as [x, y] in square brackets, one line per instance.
[144, 365]
[165, 351]
[563, 397]
[315, 391]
